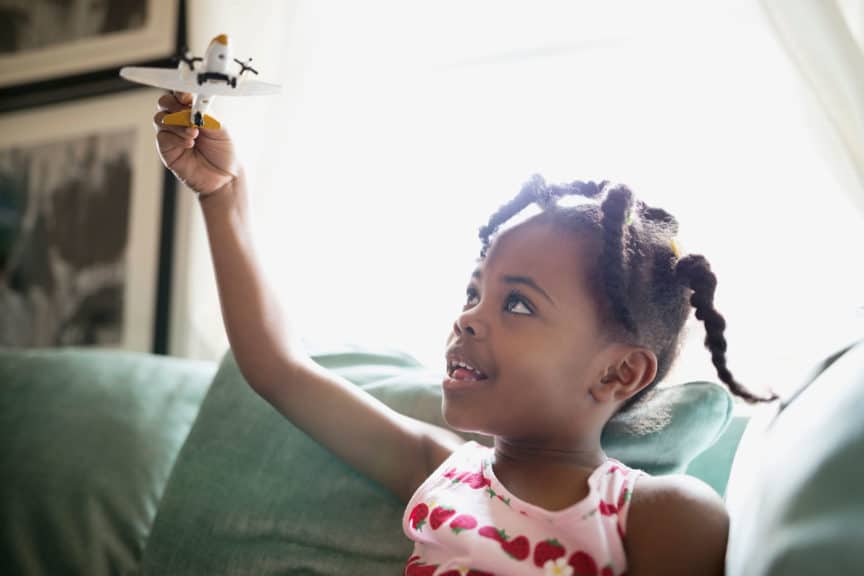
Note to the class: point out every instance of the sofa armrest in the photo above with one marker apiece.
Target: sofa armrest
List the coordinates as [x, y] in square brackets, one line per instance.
[795, 492]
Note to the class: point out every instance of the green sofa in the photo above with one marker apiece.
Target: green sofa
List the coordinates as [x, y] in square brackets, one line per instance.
[121, 463]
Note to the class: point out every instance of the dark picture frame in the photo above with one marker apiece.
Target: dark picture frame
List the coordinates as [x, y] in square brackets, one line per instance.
[37, 68]
[77, 76]
[81, 264]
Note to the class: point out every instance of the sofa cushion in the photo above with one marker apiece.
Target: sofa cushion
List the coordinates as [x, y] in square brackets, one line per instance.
[89, 438]
[794, 495]
[251, 494]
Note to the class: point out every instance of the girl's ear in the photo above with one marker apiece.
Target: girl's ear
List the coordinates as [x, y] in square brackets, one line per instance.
[633, 369]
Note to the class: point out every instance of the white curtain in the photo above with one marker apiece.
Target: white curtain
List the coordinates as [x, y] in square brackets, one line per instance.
[403, 125]
[824, 40]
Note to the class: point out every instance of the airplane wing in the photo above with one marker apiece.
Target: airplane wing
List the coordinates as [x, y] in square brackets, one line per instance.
[170, 79]
[253, 88]
[167, 78]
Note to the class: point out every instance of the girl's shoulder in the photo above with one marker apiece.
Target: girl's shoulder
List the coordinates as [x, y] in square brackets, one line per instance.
[677, 524]
[676, 490]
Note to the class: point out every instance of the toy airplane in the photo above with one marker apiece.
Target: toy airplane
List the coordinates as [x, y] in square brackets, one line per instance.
[210, 80]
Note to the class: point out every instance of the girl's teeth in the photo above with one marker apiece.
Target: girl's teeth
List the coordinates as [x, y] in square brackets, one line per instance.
[463, 371]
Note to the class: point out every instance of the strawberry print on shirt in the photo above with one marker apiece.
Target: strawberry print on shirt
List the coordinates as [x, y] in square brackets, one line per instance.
[464, 522]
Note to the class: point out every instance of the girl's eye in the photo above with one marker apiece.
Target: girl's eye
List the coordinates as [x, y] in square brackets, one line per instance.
[473, 298]
[515, 303]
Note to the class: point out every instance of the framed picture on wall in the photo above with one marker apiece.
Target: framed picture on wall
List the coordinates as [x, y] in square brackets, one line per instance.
[80, 224]
[52, 51]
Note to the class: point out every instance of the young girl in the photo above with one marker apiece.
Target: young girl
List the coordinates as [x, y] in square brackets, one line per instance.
[571, 316]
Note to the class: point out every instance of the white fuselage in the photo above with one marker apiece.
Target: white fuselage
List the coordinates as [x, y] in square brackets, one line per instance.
[216, 59]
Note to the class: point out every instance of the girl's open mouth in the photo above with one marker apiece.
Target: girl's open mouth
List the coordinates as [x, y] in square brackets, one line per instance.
[461, 376]
[459, 370]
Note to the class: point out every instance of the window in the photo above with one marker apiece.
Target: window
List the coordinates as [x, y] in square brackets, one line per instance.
[404, 125]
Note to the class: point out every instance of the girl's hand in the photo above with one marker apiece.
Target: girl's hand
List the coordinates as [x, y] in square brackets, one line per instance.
[202, 159]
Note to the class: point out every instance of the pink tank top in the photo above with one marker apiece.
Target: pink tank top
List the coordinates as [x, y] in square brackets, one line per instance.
[465, 523]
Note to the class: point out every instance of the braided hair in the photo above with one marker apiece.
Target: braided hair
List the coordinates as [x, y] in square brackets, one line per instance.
[644, 288]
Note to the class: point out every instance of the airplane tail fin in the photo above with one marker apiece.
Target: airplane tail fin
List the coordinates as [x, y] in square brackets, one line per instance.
[184, 118]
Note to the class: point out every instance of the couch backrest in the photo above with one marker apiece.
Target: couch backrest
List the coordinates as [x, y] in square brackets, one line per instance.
[251, 494]
[795, 491]
[88, 439]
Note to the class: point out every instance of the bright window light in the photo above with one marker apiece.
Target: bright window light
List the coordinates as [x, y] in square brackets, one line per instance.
[405, 125]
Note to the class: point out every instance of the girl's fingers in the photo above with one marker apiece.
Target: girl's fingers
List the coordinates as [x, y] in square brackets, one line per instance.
[190, 132]
[172, 140]
[187, 134]
[157, 119]
[169, 141]
[169, 103]
[215, 134]
[183, 98]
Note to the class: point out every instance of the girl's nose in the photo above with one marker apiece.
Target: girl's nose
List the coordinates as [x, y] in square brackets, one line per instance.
[469, 324]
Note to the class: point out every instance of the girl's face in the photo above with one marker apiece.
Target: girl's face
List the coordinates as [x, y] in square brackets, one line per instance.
[530, 336]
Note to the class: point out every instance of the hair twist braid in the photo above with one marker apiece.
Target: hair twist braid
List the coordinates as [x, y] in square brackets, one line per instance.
[529, 193]
[652, 214]
[694, 272]
[616, 210]
[535, 191]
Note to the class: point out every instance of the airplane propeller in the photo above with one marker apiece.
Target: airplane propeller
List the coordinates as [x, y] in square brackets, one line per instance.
[186, 56]
[244, 66]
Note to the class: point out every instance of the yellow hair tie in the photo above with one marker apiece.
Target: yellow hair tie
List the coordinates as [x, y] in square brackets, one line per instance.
[674, 248]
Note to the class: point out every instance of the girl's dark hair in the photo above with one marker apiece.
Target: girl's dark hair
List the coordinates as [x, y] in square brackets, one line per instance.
[644, 288]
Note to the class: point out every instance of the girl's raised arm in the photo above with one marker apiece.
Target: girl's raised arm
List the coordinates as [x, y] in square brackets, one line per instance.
[393, 449]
